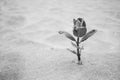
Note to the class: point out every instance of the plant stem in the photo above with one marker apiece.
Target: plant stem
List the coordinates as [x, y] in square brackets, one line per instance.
[78, 52]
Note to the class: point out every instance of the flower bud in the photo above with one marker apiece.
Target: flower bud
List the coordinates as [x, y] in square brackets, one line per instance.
[79, 29]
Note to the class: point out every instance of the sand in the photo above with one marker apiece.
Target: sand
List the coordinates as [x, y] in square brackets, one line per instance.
[32, 49]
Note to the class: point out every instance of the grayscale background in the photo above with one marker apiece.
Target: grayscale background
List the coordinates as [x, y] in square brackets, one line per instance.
[32, 49]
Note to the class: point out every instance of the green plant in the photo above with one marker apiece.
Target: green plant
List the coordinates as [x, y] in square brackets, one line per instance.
[79, 31]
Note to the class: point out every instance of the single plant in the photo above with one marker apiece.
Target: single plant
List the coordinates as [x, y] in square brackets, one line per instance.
[79, 31]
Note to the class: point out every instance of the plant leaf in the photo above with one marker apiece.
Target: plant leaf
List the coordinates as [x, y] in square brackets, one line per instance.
[68, 35]
[89, 34]
[74, 52]
[75, 45]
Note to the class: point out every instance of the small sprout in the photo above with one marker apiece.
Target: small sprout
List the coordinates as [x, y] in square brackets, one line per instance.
[79, 30]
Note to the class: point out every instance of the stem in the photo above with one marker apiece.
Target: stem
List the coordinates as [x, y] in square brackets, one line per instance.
[78, 52]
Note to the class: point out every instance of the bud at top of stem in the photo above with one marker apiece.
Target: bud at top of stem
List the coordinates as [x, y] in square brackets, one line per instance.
[79, 29]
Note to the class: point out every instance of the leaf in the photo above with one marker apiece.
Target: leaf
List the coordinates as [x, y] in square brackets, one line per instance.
[75, 45]
[71, 51]
[68, 35]
[89, 34]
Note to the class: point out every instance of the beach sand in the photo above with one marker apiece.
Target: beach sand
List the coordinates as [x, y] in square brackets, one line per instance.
[32, 49]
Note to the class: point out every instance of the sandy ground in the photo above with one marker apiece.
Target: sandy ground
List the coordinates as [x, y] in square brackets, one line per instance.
[32, 49]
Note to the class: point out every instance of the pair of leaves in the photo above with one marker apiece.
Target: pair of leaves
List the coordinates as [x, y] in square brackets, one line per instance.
[68, 35]
[85, 37]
